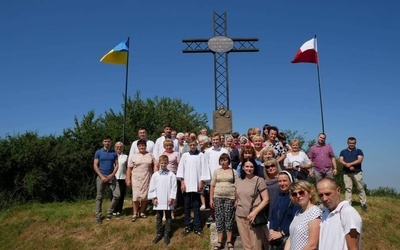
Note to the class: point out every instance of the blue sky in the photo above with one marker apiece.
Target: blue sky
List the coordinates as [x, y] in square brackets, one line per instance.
[50, 71]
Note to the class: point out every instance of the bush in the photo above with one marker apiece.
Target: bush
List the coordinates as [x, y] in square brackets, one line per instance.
[384, 191]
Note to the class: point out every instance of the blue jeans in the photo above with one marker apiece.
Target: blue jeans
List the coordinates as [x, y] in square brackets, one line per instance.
[192, 200]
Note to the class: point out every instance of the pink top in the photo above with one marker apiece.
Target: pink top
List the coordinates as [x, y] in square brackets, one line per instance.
[321, 157]
[173, 161]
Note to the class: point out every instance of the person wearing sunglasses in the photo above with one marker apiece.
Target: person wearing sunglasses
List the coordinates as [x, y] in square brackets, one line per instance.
[271, 170]
[282, 214]
[304, 229]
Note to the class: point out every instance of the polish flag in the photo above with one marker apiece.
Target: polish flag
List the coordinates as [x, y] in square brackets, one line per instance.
[307, 53]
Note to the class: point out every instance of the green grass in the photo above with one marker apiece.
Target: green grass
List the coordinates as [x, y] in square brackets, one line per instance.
[72, 226]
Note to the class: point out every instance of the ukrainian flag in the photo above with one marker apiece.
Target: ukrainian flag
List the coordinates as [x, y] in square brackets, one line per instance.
[118, 55]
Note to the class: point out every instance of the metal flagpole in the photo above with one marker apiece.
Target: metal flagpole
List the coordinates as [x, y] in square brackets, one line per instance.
[126, 93]
[320, 97]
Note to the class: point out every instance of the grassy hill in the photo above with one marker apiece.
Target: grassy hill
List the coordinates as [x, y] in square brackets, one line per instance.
[72, 226]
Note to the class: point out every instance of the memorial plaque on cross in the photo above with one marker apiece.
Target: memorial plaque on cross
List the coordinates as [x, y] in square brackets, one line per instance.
[221, 45]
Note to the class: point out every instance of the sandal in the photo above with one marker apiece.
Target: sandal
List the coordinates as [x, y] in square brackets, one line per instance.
[230, 245]
[134, 217]
[219, 246]
[143, 216]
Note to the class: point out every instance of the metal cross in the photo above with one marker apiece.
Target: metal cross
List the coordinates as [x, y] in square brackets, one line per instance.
[221, 45]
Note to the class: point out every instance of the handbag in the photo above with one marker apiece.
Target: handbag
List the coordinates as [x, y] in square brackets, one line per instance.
[303, 174]
[261, 218]
[279, 242]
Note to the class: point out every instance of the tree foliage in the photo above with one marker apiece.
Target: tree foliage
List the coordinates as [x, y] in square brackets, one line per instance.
[60, 168]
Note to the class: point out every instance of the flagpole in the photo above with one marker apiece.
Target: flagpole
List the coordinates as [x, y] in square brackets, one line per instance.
[320, 96]
[126, 94]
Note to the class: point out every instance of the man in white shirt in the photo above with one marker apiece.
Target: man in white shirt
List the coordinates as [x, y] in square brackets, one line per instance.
[142, 133]
[341, 225]
[159, 145]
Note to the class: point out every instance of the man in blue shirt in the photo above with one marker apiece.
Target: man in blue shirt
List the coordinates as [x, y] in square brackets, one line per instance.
[351, 159]
[106, 165]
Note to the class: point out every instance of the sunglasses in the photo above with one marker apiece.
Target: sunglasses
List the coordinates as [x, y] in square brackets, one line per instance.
[270, 166]
[301, 193]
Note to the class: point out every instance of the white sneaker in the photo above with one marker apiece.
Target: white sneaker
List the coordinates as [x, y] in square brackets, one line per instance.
[203, 207]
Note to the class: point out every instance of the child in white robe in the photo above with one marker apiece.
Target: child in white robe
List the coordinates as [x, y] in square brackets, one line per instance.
[190, 170]
[162, 191]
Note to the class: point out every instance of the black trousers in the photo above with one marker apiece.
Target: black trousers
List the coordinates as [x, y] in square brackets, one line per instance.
[159, 224]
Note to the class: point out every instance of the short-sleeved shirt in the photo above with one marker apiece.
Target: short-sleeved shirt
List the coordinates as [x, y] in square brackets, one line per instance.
[223, 183]
[350, 156]
[321, 156]
[336, 224]
[106, 160]
[245, 193]
[299, 227]
[278, 148]
[173, 161]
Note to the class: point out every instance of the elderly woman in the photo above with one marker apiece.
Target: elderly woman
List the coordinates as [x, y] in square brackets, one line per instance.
[283, 212]
[138, 175]
[233, 152]
[121, 176]
[258, 142]
[296, 159]
[304, 229]
[247, 184]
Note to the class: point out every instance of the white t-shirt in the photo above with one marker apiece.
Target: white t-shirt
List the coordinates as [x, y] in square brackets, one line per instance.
[296, 160]
[336, 224]
[134, 148]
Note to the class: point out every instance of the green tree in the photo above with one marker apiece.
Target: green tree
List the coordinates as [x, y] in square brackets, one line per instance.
[294, 134]
[154, 114]
[49, 168]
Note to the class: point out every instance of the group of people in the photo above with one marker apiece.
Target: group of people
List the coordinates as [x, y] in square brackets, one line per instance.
[243, 177]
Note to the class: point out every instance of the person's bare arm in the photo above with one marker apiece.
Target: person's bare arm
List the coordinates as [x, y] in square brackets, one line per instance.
[352, 239]
[128, 176]
[256, 210]
[211, 196]
[97, 170]
[116, 166]
[287, 244]
[313, 234]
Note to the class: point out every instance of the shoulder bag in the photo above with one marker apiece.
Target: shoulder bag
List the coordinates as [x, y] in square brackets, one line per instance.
[261, 218]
